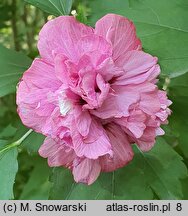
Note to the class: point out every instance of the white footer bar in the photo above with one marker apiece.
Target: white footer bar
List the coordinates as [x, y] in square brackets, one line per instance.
[98, 208]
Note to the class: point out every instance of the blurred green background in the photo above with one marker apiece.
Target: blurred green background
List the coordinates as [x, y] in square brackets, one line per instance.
[162, 26]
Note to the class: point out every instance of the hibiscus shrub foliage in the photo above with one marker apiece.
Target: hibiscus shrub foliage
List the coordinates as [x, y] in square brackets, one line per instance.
[155, 172]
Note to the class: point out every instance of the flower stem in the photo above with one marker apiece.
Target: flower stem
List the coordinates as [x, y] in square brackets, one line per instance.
[16, 143]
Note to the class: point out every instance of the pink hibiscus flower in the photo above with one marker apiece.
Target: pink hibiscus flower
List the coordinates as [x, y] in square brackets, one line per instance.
[93, 94]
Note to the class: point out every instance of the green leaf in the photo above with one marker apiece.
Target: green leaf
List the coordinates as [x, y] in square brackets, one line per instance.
[38, 186]
[162, 27]
[178, 92]
[121, 184]
[65, 188]
[163, 170]
[54, 7]
[8, 170]
[12, 65]
[82, 13]
[8, 132]
[185, 188]
[32, 143]
[154, 173]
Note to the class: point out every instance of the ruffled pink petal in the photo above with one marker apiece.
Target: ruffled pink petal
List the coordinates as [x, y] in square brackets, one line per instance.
[162, 115]
[147, 141]
[94, 90]
[37, 83]
[150, 103]
[94, 46]
[103, 89]
[138, 67]
[57, 152]
[135, 123]
[86, 87]
[117, 103]
[86, 171]
[119, 32]
[164, 111]
[122, 151]
[94, 145]
[159, 132]
[107, 69]
[165, 102]
[41, 76]
[67, 72]
[136, 128]
[82, 121]
[61, 35]
[61, 69]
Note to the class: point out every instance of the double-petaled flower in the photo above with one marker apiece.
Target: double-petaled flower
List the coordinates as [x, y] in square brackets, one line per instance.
[93, 94]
